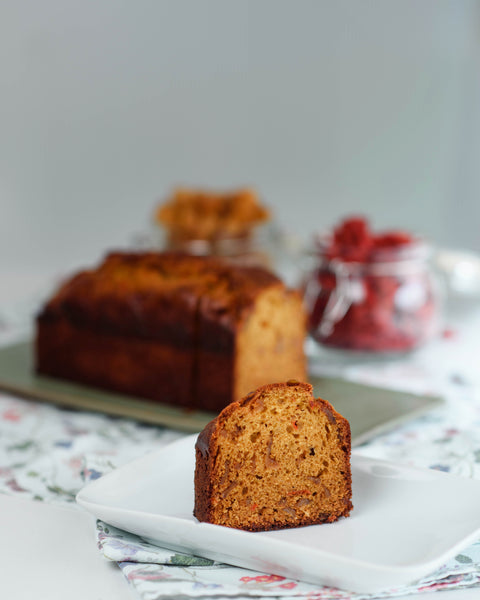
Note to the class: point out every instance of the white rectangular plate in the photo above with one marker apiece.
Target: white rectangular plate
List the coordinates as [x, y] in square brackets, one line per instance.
[406, 522]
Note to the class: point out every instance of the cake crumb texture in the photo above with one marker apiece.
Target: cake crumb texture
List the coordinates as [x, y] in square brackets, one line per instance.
[278, 458]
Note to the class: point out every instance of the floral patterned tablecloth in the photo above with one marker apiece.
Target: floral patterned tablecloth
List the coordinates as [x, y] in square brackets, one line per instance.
[48, 454]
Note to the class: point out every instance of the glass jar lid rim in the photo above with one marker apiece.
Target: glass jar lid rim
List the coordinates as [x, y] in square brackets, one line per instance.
[417, 249]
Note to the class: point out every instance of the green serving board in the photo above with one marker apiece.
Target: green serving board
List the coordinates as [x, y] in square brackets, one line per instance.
[370, 410]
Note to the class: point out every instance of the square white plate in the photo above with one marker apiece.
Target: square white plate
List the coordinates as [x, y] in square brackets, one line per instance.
[406, 522]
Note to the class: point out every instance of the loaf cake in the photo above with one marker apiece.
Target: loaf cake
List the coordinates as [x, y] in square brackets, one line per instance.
[278, 458]
[186, 330]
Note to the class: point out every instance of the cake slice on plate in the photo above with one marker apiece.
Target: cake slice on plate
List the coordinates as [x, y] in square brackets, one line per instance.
[278, 458]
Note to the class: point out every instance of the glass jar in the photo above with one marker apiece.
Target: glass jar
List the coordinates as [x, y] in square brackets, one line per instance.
[387, 303]
[251, 249]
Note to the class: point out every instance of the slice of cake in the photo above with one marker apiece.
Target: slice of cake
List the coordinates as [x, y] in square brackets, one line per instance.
[278, 458]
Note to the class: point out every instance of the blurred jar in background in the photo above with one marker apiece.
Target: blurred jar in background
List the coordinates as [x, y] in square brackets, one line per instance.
[224, 224]
[371, 292]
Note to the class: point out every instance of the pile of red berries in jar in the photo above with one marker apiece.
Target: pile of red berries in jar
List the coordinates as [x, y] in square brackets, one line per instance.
[371, 292]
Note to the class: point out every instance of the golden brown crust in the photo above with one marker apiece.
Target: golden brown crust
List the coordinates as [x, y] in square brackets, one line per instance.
[139, 367]
[142, 294]
[214, 482]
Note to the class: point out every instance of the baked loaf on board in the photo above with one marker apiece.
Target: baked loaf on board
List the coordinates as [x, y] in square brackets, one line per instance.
[186, 330]
[278, 458]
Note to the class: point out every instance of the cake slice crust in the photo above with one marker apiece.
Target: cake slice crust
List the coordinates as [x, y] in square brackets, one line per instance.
[278, 458]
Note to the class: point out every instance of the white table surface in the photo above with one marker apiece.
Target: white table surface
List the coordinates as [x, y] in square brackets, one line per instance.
[39, 560]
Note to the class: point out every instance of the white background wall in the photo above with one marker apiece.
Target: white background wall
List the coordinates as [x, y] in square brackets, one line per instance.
[325, 107]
